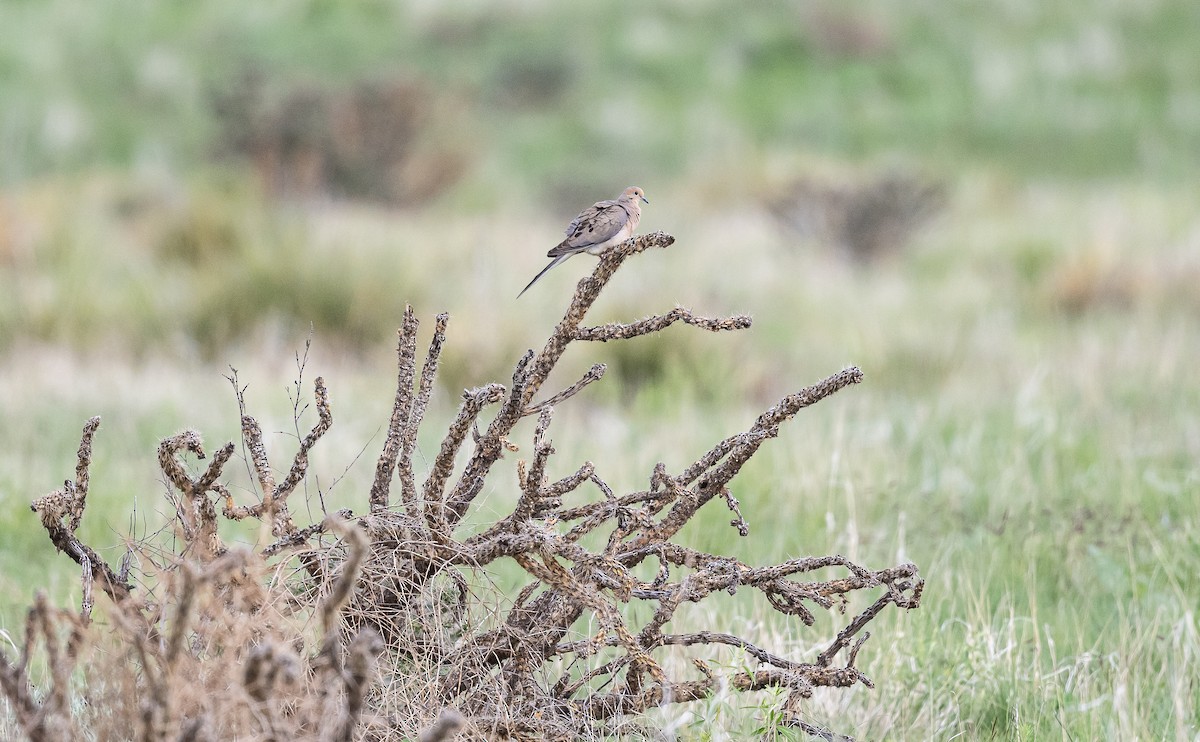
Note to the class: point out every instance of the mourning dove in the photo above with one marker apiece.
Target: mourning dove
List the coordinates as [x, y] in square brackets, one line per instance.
[597, 228]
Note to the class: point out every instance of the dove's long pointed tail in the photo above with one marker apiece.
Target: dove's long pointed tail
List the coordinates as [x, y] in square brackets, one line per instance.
[553, 263]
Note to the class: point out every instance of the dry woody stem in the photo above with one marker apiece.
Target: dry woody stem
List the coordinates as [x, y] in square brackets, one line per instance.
[380, 620]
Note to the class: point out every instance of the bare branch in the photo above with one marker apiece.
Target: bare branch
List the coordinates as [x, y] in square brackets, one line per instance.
[473, 403]
[895, 594]
[767, 424]
[406, 350]
[490, 446]
[815, 731]
[197, 515]
[445, 728]
[657, 323]
[283, 521]
[84, 457]
[737, 451]
[585, 295]
[339, 592]
[424, 390]
[595, 373]
[301, 537]
[61, 512]
[252, 437]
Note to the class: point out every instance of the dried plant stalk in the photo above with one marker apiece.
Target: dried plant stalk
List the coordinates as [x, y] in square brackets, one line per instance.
[406, 351]
[61, 512]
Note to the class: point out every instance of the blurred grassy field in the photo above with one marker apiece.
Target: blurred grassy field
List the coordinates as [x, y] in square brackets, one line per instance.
[1029, 429]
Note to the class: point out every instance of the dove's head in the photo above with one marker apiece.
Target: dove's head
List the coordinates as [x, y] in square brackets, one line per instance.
[633, 193]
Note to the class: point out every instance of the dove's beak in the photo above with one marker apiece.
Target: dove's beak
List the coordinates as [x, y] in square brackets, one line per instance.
[645, 199]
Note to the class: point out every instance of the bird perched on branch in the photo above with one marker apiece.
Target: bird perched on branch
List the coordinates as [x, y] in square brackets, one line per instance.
[597, 228]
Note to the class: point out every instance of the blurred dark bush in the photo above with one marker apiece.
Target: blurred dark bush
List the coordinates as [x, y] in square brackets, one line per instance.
[865, 217]
[371, 139]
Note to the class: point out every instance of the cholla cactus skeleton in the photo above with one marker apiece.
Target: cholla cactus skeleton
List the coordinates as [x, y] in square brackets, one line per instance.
[395, 584]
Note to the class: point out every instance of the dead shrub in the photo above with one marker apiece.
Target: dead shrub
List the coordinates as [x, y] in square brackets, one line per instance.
[844, 34]
[373, 625]
[378, 140]
[865, 219]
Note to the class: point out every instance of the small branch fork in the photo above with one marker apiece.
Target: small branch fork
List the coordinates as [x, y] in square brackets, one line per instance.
[522, 670]
[61, 512]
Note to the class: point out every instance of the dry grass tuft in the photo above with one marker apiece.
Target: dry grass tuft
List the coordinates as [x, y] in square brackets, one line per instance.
[376, 626]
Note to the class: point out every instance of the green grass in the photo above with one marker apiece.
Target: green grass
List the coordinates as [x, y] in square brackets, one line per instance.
[1084, 88]
[1028, 432]
[1038, 463]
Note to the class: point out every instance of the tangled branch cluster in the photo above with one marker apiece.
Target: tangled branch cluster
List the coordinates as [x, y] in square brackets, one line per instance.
[370, 625]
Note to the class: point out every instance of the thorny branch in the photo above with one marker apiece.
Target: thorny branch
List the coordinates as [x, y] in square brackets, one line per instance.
[658, 323]
[61, 512]
[595, 373]
[406, 351]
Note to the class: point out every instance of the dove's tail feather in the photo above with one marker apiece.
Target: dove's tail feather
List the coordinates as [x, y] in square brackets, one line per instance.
[553, 263]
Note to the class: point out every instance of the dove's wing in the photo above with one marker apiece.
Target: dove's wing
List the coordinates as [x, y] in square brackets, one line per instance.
[595, 225]
[599, 226]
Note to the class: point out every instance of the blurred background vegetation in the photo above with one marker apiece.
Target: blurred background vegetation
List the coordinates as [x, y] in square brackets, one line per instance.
[161, 163]
[989, 207]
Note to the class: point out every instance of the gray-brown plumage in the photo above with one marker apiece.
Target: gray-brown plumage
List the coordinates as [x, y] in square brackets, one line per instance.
[597, 228]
